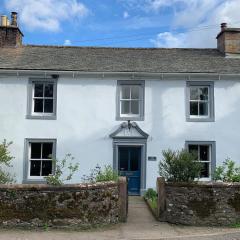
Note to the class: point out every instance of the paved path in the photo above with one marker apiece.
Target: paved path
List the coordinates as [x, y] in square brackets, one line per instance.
[141, 225]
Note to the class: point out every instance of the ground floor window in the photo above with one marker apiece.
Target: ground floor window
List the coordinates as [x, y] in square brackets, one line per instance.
[40, 158]
[205, 152]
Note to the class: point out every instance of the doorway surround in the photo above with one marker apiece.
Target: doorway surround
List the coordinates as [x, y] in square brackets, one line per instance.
[129, 134]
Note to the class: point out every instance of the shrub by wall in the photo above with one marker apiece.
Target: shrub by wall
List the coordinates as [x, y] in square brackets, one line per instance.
[210, 204]
[82, 205]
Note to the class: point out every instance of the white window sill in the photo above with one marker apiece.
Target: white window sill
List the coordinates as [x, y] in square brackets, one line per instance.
[203, 179]
[128, 115]
[45, 117]
[34, 181]
[200, 119]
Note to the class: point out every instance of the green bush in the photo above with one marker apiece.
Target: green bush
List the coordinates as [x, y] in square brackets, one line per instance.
[5, 161]
[151, 197]
[107, 174]
[61, 167]
[101, 175]
[179, 166]
[150, 194]
[153, 204]
[228, 172]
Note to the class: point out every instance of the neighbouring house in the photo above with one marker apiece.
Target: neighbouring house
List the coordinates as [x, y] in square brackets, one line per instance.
[118, 106]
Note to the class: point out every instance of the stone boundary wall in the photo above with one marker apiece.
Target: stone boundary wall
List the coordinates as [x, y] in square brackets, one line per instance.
[209, 204]
[78, 205]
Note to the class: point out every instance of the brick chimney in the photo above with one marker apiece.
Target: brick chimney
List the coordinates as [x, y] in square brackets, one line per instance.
[228, 40]
[10, 34]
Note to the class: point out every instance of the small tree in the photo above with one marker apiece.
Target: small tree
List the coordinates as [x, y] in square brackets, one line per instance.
[61, 167]
[179, 166]
[228, 172]
[5, 161]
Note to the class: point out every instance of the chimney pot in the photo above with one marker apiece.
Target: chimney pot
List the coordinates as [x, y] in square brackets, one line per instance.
[14, 19]
[3, 20]
[223, 26]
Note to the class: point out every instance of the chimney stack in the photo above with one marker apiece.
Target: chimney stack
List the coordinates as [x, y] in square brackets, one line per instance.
[228, 41]
[10, 34]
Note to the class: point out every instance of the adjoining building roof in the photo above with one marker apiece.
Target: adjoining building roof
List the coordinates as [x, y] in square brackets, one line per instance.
[99, 59]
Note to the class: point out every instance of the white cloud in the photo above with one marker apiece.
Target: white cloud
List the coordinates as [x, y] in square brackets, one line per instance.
[67, 42]
[179, 5]
[199, 39]
[168, 39]
[125, 14]
[157, 4]
[46, 14]
[228, 12]
[196, 15]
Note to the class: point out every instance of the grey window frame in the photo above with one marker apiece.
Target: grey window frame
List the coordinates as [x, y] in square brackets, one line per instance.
[213, 153]
[26, 163]
[46, 116]
[140, 83]
[211, 117]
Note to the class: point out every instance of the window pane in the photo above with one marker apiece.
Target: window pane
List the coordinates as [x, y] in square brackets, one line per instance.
[48, 90]
[35, 150]
[194, 93]
[205, 170]
[123, 159]
[48, 106]
[125, 92]
[38, 105]
[35, 167]
[203, 93]
[134, 159]
[125, 107]
[204, 153]
[46, 168]
[38, 90]
[47, 150]
[135, 107]
[194, 108]
[135, 92]
[193, 149]
[203, 109]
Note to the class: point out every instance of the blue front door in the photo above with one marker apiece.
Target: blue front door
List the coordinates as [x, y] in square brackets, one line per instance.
[129, 165]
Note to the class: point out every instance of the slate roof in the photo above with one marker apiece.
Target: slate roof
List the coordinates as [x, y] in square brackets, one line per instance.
[99, 59]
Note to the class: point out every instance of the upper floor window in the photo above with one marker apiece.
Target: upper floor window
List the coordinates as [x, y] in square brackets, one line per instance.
[200, 101]
[42, 99]
[40, 155]
[206, 154]
[130, 100]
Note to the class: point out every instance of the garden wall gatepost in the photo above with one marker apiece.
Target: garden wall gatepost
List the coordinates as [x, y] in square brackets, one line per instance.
[161, 202]
[123, 199]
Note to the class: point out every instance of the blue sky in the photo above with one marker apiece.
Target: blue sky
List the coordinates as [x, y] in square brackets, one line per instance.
[123, 23]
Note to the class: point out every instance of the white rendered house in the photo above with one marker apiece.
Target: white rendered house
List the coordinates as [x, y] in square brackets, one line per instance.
[118, 106]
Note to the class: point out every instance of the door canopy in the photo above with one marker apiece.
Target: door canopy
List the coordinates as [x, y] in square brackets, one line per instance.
[129, 130]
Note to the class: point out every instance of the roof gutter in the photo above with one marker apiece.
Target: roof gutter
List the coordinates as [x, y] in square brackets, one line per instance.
[121, 75]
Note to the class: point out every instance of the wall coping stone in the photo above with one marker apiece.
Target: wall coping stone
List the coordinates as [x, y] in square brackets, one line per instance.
[202, 184]
[67, 187]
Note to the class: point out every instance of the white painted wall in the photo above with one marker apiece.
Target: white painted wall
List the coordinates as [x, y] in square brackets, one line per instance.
[86, 110]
